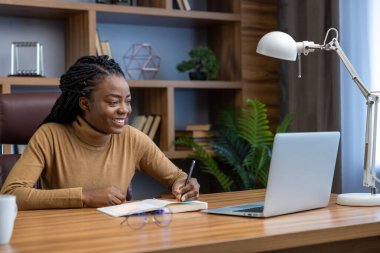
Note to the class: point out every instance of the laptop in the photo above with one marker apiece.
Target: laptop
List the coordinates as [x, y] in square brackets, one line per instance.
[300, 176]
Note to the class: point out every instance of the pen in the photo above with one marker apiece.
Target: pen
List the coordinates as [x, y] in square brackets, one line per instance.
[190, 172]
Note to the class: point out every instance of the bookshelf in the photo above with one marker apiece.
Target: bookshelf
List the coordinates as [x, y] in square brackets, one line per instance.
[220, 19]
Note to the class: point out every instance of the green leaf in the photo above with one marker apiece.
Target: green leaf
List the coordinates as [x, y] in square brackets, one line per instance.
[208, 164]
[244, 142]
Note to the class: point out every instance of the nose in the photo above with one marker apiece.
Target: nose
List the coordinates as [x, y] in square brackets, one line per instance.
[125, 108]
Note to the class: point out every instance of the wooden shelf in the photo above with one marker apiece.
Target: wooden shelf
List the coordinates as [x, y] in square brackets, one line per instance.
[30, 81]
[7, 82]
[52, 81]
[179, 154]
[185, 84]
[223, 25]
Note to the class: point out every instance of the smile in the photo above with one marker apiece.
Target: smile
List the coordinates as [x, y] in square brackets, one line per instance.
[120, 122]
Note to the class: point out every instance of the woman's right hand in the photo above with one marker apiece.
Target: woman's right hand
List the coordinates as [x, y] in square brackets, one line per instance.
[108, 196]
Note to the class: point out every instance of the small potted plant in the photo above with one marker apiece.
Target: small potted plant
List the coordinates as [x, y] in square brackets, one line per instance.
[202, 65]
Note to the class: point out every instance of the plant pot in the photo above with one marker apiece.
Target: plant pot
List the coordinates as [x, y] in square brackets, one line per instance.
[197, 75]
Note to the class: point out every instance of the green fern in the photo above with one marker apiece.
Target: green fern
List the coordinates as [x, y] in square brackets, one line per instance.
[254, 125]
[229, 147]
[244, 141]
[208, 164]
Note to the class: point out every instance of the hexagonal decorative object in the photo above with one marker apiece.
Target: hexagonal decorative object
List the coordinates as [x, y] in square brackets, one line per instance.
[141, 62]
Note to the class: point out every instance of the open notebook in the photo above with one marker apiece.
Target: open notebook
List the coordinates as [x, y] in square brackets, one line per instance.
[300, 176]
[151, 205]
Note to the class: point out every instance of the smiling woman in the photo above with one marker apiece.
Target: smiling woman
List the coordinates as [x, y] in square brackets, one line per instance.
[83, 153]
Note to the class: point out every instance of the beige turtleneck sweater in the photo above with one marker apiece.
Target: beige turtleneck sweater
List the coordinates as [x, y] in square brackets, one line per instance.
[70, 158]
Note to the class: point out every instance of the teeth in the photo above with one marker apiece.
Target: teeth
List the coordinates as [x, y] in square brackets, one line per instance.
[119, 121]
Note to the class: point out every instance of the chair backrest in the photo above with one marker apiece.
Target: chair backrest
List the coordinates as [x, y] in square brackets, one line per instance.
[22, 113]
[6, 164]
[20, 116]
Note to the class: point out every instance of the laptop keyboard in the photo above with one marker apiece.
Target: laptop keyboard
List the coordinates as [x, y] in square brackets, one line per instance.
[257, 209]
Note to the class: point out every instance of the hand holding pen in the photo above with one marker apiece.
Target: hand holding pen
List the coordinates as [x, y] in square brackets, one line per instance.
[190, 172]
[188, 189]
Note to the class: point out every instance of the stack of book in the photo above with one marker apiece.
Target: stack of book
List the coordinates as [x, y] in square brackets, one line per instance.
[199, 133]
[102, 47]
[147, 124]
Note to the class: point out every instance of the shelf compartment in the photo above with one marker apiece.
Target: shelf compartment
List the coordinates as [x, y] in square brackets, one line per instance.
[155, 101]
[202, 106]
[163, 17]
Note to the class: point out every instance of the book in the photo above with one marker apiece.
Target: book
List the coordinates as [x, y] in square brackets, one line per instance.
[153, 129]
[180, 4]
[103, 47]
[151, 205]
[98, 44]
[186, 5]
[148, 124]
[106, 48]
[198, 127]
[138, 122]
[109, 51]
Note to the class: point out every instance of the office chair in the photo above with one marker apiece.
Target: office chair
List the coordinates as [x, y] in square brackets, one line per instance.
[20, 116]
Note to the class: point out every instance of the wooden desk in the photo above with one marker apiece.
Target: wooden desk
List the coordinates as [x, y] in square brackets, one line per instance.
[332, 229]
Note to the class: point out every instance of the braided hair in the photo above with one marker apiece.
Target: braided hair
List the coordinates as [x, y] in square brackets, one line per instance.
[79, 81]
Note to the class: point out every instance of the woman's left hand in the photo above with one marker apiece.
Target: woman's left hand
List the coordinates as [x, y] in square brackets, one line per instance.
[184, 192]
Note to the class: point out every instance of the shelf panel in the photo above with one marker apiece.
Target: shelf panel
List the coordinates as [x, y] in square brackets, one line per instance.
[133, 83]
[37, 81]
[180, 154]
[177, 154]
[181, 84]
[50, 81]
[7, 82]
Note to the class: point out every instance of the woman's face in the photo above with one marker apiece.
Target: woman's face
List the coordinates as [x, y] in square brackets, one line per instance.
[109, 105]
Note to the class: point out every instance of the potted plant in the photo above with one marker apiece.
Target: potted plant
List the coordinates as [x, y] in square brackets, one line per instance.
[203, 64]
[243, 142]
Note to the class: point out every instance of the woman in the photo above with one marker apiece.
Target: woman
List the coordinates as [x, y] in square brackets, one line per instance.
[83, 153]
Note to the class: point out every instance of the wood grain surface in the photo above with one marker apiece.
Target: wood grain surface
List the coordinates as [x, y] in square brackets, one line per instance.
[87, 230]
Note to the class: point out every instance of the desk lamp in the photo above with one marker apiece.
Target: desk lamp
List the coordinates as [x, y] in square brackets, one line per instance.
[280, 45]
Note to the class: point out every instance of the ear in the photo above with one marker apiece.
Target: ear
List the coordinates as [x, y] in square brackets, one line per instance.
[84, 104]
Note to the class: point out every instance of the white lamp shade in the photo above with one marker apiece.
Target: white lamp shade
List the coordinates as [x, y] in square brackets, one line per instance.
[278, 45]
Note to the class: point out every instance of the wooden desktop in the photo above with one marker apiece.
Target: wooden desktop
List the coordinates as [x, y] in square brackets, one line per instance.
[332, 229]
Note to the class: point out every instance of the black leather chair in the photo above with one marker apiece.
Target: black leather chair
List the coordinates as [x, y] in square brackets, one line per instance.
[20, 116]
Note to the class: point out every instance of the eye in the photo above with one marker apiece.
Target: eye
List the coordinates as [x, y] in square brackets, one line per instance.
[113, 103]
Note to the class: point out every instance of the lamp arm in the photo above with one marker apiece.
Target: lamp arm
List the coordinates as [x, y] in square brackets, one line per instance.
[334, 45]
[369, 173]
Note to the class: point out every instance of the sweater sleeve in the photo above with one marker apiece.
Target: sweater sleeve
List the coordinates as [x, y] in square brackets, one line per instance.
[154, 162]
[26, 172]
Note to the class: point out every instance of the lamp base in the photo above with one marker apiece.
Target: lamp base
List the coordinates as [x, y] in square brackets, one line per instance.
[358, 199]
